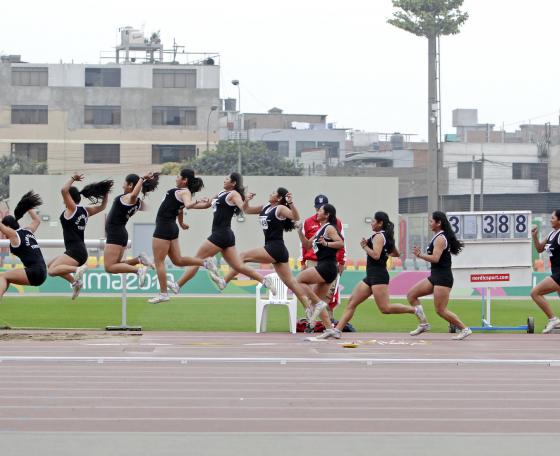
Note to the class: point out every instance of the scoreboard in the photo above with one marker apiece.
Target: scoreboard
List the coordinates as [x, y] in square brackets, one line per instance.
[497, 248]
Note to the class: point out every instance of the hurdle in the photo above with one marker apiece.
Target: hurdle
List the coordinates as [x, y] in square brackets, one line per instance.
[99, 244]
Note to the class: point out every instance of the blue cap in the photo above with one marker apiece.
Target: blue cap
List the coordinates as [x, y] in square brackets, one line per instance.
[320, 200]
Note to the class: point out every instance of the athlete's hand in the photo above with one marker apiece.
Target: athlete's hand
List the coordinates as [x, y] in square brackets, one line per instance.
[363, 243]
[250, 196]
[416, 251]
[148, 176]
[77, 177]
[184, 226]
[298, 225]
[534, 231]
[204, 200]
[289, 198]
[322, 241]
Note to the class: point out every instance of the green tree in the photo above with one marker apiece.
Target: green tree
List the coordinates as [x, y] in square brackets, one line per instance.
[256, 160]
[10, 164]
[430, 19]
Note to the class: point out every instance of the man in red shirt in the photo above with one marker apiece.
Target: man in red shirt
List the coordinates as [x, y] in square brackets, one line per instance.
[309, 259]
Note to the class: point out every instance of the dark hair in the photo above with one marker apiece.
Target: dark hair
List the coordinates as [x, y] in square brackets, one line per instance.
[93, 192]
[331, 211]
[388, 227]
[194, 184]
[27, 202]
[149, 185]
[455, 246]
[557, 213]
[289, 224]
[238, 179]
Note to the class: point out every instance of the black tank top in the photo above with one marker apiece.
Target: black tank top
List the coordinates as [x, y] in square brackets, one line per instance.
[74, 227]
[322, 252]
[445, 258]
[374, 265]
[120, 212]
[272, 226]
[553, 249]
[28, 250]
[169, 207]
[223, 212]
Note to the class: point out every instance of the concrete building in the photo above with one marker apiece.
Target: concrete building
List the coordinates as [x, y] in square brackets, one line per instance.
[134, 115]
[307, 138]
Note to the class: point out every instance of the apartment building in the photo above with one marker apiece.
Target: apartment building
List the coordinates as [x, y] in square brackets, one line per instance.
[128, 116]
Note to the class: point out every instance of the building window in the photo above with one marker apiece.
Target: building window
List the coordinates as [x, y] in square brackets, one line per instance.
[29, 76]
[32, 152]
[282, 147]
[464, 170]
[303, 146]
[102, 153]
[173, 115]
[163, 153]
[30, 114]
[103, 77]
[174, 79]
[102, 115]
[533, 171]
[332, 148]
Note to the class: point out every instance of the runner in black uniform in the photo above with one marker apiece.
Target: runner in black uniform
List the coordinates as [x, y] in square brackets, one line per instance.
[73, 221]
[24, 245]
[326, 243]
[275, 217]
[551, 245]
[124, 207]
[225, 205]
[443, 244]
[165, 241]
[378, 248]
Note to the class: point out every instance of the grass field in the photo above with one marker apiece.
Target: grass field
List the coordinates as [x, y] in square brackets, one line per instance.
[233, 314]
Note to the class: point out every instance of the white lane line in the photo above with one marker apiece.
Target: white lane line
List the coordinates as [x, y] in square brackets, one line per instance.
[285, 360]
[295, 420]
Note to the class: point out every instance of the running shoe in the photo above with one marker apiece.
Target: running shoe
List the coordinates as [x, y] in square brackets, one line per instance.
[553, 323]
[79, 274]
[145, 260]
[319, 307]
[217, 279]
[173, 286]
[76, 288]
[422, 327]
[159, 298]
[210, 264]
[269, 283]
[462, 334]
[142, 271]
[419, 311]
[330, 333]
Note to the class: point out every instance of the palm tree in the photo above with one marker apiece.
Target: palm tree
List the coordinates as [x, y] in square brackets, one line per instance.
[430, 19]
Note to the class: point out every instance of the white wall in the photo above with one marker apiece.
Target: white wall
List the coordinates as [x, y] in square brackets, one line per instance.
[497, 168]
[66, 75]
[354, 197]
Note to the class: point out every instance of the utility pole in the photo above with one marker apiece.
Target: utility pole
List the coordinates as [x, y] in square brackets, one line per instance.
[482, 181]
[472, 184]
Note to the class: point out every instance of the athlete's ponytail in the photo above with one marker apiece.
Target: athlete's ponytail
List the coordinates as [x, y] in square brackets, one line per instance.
[238, 179]
[289, 224]
[194, 184]
[148, 185]
[455, 246]
[330, 210]
[388, 227]
[93, 192]
[27, 202]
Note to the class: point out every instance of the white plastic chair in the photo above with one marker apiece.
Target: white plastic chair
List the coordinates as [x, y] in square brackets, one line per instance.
[281, 299]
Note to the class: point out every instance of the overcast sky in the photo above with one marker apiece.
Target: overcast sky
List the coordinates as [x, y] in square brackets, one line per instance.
[339, 58]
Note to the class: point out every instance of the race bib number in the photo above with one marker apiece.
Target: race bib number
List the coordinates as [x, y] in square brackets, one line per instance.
[264, 222]
[214, 204]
